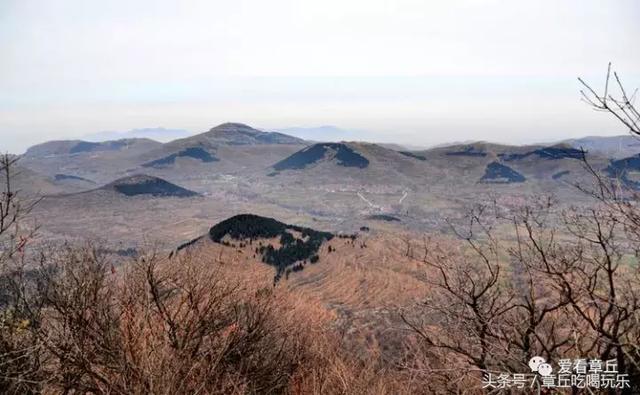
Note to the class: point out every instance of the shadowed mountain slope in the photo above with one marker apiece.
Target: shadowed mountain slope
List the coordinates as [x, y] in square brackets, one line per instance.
[340, 153]
[467, 151]
[348, 166]
[197, 153]
[412, 155]
[147, 185]
[501, 174]
[536, 163]
[626, 170]
[552, 153]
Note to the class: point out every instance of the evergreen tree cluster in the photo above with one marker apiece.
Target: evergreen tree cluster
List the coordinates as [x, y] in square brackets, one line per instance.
[292, 254]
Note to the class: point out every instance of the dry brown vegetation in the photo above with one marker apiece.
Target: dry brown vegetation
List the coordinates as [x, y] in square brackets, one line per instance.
[170, 326]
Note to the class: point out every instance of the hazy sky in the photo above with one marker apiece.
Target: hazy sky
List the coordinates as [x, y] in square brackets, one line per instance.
[413, 71]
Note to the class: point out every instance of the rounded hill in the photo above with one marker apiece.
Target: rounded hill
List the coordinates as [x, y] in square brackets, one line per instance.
[341, 153]
[232, 133]
[143, 184]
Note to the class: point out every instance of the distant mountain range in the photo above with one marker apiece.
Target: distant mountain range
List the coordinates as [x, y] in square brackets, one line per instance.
[228, 148]
[615, 147]
[234, 168]
[275, 159]
[72, 147]
[452, 168]
[162, 135]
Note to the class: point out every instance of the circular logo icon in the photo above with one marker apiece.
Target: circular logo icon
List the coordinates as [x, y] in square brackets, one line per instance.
[545, 369]
[535, 362]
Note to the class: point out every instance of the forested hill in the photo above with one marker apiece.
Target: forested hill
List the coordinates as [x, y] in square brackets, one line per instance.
[298, 245]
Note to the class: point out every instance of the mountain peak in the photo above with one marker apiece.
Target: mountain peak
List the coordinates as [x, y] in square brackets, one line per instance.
[234, 126]
[234, 133]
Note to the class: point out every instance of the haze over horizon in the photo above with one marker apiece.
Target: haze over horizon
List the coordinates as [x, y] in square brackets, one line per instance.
[411, 72]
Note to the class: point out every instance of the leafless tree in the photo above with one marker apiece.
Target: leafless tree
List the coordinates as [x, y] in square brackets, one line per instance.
[619, 103]
[562, 286]
[13, 210]
[486, 308]
[20, 351]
